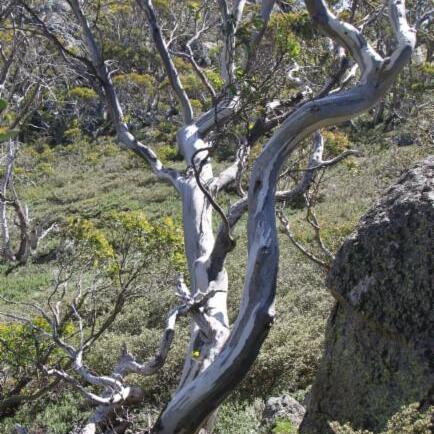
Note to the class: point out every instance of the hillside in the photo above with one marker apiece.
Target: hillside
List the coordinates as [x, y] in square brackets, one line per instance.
[92, 180]
[176, 178]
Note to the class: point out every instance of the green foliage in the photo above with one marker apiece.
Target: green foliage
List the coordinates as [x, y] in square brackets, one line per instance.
[284, 426]
[197, 105]
[3, 105]
[126, 232]
[5, 133]
[334, 235]
[60, 416]
[193, 5]
[182, 65]
[237, 418]
[22, 344]
[72, 133]
[300, 24]
[82, 93]
[19, 343]
[23, 285]
[168, 153]
[142, 80]
[408, 420]
[162, 4]
[165, 133]
[284, 39]
[90, 237]
[336, 142]
[192, 84]
[120, 7]
[54, 415]
[215, 79]
[428, 68]
[352, 165]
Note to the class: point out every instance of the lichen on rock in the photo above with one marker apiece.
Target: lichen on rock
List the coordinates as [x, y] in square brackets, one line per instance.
[379, 352]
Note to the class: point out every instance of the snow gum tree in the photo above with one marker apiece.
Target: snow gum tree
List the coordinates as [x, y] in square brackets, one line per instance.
[219, 353]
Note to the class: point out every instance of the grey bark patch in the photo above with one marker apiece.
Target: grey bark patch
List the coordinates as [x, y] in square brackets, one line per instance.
[380, 340]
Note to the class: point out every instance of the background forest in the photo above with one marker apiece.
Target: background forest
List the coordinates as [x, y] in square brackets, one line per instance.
[82, 215]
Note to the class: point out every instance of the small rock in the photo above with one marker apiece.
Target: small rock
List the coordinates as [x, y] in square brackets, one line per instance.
[404, 140]
[283, 407]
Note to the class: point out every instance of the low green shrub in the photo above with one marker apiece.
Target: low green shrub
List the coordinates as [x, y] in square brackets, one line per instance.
[408, 420]
[284, 426]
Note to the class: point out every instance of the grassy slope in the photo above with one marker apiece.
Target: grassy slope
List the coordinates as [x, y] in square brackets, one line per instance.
[94, 179]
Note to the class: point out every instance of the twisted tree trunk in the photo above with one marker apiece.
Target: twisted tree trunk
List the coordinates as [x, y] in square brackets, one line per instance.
[193, 403]
[217, 358]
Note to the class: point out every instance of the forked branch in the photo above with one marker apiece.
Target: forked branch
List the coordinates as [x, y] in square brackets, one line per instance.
[196, 400]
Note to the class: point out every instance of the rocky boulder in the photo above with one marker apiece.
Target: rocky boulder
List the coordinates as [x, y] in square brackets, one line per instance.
[379, 353]
[282, 407]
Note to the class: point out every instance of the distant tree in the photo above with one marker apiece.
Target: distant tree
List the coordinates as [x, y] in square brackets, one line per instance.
[11, 208]
[15, 223]
[26, 83]
[248, 38]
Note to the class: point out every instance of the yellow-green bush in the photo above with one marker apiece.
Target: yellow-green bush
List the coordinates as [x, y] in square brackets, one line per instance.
[5, 132]
[82, 93]
[284, 39]
[21, 344]
[133, 78]
[127, 232]
[215, 79]
[284, 426]
[168, 153]
[336, 142]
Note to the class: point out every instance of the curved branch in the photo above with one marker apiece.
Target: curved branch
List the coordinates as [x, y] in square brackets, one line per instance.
[206, 193]
[190, 57]
[156, 363]
[285, 225]
[172, 72]
[231, 19]
[405, 35]
[114, 106]
[234, 171]
[346, 35]
[266, 10]
[194, 402]
[115, 398]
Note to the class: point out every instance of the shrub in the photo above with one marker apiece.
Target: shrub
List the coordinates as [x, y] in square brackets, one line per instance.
[336, 142]
[408, 420]
[56, 414]
[168, 153]
[284, 426]
[284, 39]
[82, 93]
[237, 418]
[215, 79]
[142, 80]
